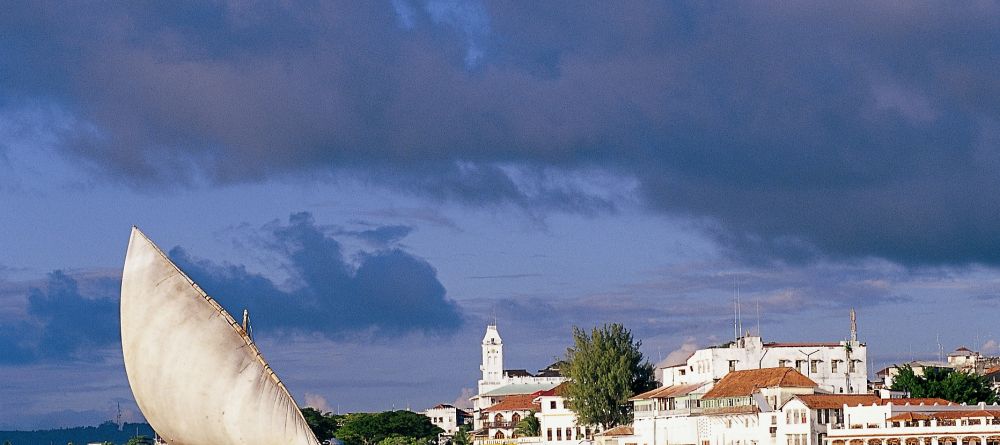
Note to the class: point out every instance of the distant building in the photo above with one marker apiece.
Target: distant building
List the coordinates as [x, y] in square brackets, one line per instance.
[497, 384]
[448, 417]
[888, 375]
[961, 359]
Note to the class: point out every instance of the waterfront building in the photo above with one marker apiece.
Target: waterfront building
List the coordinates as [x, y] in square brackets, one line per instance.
[836, 367]
[917, 422]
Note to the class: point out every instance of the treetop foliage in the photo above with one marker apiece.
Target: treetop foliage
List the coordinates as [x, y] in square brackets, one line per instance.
[323, 425]
[954, 386]
[605, 368]
[373, 428]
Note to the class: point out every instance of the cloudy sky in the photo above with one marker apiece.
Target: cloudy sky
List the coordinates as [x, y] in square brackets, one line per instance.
[377, 180]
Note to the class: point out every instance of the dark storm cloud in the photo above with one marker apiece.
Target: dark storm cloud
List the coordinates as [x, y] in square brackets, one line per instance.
[60, 322]
[794, 131]
[387, 291]
[381, 236]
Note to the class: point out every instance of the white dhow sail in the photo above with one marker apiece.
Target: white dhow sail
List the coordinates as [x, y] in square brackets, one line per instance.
[196, 375]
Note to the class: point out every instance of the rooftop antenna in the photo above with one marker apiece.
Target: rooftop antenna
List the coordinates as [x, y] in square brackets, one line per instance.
[854, 326]
[940, 349]
[739, 308]
[118, 419]
[736, 314]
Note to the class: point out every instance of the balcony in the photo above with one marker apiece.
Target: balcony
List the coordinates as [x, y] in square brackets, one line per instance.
[505, 424]
[510, 440]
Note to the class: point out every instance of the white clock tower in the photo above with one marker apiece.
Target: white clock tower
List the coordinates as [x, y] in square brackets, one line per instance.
[492, 366]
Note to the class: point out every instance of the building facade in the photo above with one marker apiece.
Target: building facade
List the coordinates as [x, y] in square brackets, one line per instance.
[448, 417]
[836, 367]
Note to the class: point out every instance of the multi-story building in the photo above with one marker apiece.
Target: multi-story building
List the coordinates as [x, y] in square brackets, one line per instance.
[917, 422]
[505, 388]
[781, 406]
[836, 367]
[500, 420]
[558, 425]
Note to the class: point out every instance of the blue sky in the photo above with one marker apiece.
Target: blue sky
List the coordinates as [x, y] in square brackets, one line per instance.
[376, 180]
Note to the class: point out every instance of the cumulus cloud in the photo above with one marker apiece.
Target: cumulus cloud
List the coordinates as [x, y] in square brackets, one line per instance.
[793, 131]
[318, 402]
[61, 323]
[463, 401]
[387, 291]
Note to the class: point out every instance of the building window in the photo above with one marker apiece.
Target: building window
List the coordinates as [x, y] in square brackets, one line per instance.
[814, 366]
[799, 365]
[498, 435]
[853, 368]
[569, 434]
[833, 366]
[558, 434]
[498, 419]
[548, 434]
[782, 363]
[552, 404]
[515, 418]
[732, 365]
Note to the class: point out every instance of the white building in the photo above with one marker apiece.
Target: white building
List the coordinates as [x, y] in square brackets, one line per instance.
[837, 367]
[557, 421]
[448, 417]
[498, 384]
[917, 422]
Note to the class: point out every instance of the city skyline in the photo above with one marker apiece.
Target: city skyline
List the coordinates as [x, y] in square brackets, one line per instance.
[376, 181]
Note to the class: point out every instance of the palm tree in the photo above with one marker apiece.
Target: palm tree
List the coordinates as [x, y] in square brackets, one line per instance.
[528, 426]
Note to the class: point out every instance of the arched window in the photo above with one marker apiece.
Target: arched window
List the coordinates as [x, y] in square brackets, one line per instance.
[515, 418]
[971, 440]
[498, 418]
[498, 435]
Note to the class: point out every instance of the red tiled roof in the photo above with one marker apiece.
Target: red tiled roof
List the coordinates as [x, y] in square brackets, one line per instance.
[621, 430]
[559, 390]
[908, 417]
[993, 370]
[836, 401]
[914, 401]
[665, 392]
[745, 383]
[516, 402]
[965, 414]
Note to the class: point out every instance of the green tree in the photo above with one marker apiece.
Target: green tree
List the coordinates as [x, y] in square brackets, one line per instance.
[529, 426]
[604, 370]
[954, 386]
[461, 436]
[323, 425]
[402, 440]
[140, 440]
[372, 428]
